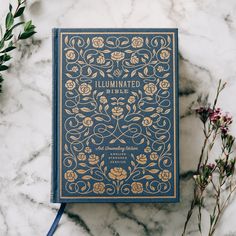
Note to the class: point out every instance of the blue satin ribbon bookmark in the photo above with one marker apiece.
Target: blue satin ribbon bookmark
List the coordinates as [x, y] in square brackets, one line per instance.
[56, 220]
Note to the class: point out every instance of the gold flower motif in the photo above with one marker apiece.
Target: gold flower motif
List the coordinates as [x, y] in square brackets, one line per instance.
[159, 109]
[70, 54]
[131, 99]
[165, 175]
[147, 149]
[87, 121]
[164, 84]
[141, 159]
[137, 187]
[70, 84]
[98, 42]
[81, 156]
[134, 60]
[101, 59]
[93, 159]
[85, 89]
[70, 176]
[153, 156]
[117, 56]
[137, 42]
[99, 187]
[103, 100]
[147, 121]
[117, 111]
[160, 68]
[150, 88]
[117, 73]
[117, 173]
[75, 110]
[75, 69]
[164, 54]
[87, 150]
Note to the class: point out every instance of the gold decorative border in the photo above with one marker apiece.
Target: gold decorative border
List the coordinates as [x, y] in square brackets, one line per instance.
[174, 119]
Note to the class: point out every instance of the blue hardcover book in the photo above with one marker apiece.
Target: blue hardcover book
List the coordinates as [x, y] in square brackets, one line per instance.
[115, 115]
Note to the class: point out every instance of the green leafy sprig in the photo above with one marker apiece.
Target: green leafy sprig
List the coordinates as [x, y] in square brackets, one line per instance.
[8, 39]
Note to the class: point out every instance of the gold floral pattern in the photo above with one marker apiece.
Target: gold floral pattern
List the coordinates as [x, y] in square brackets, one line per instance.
[150, 88]
[117, 173]
[165, 175]
[117, 56]
[103, 100]
[87, 121]
[165, 54]
[70, 54]
[101, 59]
[98, 42]
[134, 60]
[164, 84]
[99, 187]
[137, 42]
[147, 121]
[81, 156]
[85, 89]
[141, 117]
[70, 176]
[93, 159]
[117, 111]
[137, 187]
[131, 99]
[70, 84]
[153, 156]
[141, 159]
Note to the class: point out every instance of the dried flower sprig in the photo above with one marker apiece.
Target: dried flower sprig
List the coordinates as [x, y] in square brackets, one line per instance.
[8, 40]
[217, 176]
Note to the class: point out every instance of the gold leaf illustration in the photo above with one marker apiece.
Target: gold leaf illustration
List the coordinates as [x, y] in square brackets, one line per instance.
[89, 71]
[102, 163]
[122, 140]
[133, 73]
[102, 73]
[152, 164]
[86, 177]
[68, 75]
[98, 118]
[148, 109]
[166, 111]
[66, 40]
[80, 171]
[136, 118]
[145, 71]
[132, 163]
[112, 141]
[81, 62]
[142, 141]
[73, 138]
[68, 112]
[153, 171]
[85, 109]
[148, 177]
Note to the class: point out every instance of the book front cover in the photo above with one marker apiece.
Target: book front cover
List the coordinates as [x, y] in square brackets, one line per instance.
[115, 126]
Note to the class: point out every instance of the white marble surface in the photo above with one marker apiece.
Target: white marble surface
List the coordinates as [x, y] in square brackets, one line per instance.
[207, 47]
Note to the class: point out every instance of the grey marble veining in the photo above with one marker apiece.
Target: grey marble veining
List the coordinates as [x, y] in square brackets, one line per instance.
[207, 52]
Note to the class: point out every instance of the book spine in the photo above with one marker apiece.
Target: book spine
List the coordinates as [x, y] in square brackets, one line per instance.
[54, 165]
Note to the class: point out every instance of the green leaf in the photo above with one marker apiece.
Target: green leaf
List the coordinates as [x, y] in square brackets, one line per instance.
[1, 44]
[9, 20]
[26, 35]
[19, 12]
[8, 35]
[8, 49]
[3, 67]
[4, 58]
[28, 26]
[10, 7]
